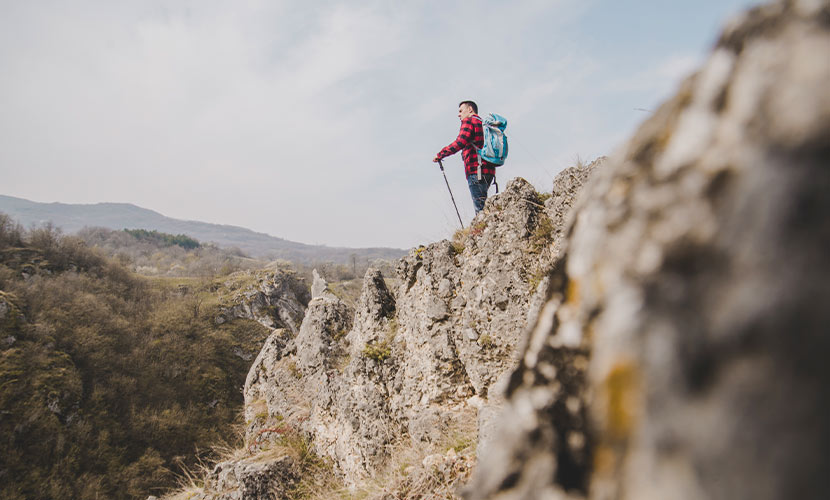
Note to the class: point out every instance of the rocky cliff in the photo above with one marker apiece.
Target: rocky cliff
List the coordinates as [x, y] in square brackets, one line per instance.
[662, 338]
[273, 298]
[411, 371]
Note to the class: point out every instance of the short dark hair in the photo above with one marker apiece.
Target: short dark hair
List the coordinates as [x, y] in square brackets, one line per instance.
[470, 104]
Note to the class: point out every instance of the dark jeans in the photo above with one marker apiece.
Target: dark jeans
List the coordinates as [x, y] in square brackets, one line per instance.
[478, 189]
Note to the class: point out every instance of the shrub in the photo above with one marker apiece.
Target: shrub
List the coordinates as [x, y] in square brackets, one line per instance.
[11, 233]
[164, 239]
[459, 240]
[486, 341]
[378, 351]
[542, 234]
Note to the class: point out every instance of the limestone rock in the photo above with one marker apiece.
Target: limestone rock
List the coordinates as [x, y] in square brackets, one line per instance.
[399, 369]
[680, 352]
[253, 478]
[375, 309]
[328, 320]
[351, 420]
[275, 299]
[320, 287]
[566, 187]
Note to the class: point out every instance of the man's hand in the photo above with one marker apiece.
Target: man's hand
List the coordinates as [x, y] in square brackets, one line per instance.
[436, 159]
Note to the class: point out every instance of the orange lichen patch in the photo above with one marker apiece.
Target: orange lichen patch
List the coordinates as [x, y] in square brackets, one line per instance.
[622, 393]
[605, 460]
[572, 295]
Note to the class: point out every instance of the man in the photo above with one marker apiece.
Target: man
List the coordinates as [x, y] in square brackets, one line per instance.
[469, 139]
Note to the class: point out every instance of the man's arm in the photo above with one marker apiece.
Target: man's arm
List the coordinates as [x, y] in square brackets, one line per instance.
[465, 138]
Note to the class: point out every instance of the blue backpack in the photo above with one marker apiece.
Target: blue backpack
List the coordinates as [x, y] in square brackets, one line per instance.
[495, 141]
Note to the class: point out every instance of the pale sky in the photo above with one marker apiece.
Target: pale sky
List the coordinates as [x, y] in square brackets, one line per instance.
[316, 121]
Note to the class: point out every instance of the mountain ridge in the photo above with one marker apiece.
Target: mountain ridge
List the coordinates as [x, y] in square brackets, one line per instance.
[114, 215]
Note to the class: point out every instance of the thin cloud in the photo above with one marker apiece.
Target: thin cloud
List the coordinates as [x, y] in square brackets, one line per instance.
[315, 122]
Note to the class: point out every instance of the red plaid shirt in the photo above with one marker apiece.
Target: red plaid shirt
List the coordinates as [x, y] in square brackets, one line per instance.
[469, 138]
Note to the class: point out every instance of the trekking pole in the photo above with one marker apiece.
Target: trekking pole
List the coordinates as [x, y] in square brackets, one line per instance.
[441, 165]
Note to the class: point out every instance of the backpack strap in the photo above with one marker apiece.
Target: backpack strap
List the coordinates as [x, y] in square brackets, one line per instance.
[478, 151]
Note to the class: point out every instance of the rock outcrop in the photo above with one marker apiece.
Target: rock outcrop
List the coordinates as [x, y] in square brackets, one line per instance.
[274, 298]
[661, 337]
[252, 477]
[680, 350]
[418, 367]
[413, 358]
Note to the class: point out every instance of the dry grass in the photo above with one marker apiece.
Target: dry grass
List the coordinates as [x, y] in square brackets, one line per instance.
[412, 472]
[542, 235]
[459, 240]
[347, 290]
[191, 479]
[316, 473]
[185, 493]
[190, 482]
[422, 471]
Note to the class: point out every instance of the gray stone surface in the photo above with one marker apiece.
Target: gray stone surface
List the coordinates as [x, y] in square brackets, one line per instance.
[566, 188]
[276, 299]
[319, 286]
[251, 479]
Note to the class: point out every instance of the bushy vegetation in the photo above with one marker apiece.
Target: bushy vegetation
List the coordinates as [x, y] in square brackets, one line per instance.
[11, 233]
[152, 253]
[109, 381]
[377, 351]
[164, 239]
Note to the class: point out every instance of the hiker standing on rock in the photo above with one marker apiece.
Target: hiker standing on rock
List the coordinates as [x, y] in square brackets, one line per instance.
[471, 138]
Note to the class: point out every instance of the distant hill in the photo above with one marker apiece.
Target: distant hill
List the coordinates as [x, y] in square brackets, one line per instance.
[73, 217]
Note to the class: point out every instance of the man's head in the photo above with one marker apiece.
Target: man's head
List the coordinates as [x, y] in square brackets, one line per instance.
[467, 109]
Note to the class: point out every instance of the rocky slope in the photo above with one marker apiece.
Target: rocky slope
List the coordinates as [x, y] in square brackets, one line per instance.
[411, 371]
[662, 338]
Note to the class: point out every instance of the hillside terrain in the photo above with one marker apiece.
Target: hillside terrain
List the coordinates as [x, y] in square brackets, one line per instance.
[151, 253]
[117, 216]
[654, 328]
[111, 382]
